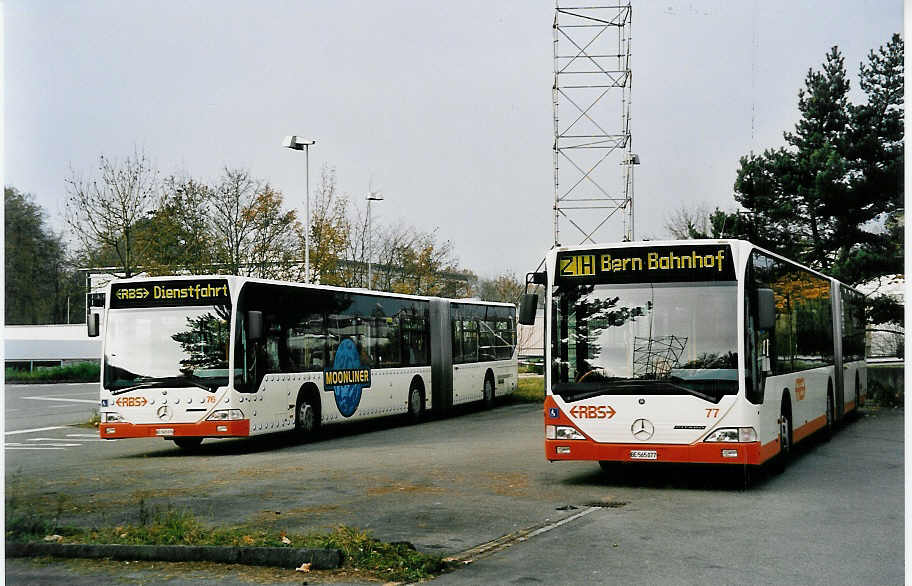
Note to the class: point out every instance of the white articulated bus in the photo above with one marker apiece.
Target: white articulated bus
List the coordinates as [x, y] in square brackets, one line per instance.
[190, 357]
[709, 351]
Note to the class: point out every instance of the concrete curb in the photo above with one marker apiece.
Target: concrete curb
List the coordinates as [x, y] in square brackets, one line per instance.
[283, 557]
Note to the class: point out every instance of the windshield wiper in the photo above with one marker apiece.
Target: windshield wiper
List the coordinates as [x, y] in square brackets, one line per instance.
[694, 392]
[148, 382]
[626, 386]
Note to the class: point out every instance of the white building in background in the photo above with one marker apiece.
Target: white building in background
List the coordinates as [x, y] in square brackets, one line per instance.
[530, 340]
[886, 340]
[28, 347]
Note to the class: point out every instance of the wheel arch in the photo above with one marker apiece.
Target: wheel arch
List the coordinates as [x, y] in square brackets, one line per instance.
[418, 381]
[310, 390]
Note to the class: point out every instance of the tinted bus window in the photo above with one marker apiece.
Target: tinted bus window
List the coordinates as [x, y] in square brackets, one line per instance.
[803, 336]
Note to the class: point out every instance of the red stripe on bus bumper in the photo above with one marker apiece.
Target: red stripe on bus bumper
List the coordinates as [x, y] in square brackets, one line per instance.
[237, 428]
[753, 453]
[698, 453]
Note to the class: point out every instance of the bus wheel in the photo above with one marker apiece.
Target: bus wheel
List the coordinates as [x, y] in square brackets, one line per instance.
[489, 392]
[415, 404]
[187, 443]
[828, 429]
[857, 394]
[785, 439]
[307, 419]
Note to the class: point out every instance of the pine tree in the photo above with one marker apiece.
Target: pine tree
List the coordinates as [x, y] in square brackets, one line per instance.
[832, 198]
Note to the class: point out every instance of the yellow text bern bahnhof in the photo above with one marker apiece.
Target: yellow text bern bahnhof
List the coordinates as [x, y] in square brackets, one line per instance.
[584, 265]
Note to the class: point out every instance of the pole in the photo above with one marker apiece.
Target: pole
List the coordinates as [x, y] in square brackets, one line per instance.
[370, 245]
[307, 205]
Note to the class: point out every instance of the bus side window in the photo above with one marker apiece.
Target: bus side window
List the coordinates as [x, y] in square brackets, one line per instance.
[458, 356]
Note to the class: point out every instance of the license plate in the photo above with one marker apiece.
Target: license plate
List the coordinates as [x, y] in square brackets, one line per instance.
[643, 455]
[164, 431]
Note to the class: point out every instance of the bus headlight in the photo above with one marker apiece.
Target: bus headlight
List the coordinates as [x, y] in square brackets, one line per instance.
[111, 417]
[226, 415]
[562, 432]
[733, 434]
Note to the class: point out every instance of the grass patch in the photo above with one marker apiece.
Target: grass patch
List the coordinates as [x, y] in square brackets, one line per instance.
[530, 389]
[398, 562]
[84, 372]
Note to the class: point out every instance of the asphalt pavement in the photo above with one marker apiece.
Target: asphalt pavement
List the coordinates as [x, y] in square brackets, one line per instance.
[477, 487]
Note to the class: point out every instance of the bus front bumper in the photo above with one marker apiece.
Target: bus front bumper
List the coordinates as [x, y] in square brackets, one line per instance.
[236, 428]
[751, 453]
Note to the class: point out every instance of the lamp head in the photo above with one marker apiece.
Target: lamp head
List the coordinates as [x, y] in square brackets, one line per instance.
[297, 143]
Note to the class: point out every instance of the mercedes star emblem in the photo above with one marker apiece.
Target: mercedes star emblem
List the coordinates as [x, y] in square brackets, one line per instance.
[164, 413]
[642, 429]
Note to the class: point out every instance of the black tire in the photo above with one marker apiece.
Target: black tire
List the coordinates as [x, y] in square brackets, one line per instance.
[857, 394]
[830, 418]
[187, 444]
[307, 416]
[415, 404]
[488, 391]
[785, 437]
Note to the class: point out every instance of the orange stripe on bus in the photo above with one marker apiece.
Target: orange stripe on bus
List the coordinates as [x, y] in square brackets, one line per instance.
[808, 428]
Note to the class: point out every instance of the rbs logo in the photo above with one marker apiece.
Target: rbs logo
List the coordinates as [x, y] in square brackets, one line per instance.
[592, 411]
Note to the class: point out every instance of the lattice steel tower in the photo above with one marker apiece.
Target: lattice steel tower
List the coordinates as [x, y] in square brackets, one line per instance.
[593, 162]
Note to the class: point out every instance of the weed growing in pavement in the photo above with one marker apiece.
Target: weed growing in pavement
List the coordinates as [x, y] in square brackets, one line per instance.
[362, 552]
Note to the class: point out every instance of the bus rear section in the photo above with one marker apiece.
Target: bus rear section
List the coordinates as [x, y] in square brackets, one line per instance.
[644, 358]
[165, 370]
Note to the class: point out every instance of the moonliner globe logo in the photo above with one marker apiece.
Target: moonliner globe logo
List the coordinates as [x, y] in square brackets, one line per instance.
[347, 379]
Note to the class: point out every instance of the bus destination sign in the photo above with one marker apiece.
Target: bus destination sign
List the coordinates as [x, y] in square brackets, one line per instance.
[171, 293]
[647, 264]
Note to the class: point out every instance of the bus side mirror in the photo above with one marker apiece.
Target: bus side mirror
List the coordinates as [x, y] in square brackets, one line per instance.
[254, 325]
[528, 305]
[766, 309]
[92, 325]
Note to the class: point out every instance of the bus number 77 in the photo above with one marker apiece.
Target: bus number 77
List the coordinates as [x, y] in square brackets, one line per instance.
[712, 413]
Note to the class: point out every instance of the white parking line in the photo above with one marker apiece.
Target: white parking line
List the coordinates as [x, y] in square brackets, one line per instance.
[58, 439]
[84, 435]
[62, 399]
[32, 447]
[35, 430]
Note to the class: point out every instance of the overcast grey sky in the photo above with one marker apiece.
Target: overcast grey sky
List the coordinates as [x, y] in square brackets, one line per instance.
[444, 107]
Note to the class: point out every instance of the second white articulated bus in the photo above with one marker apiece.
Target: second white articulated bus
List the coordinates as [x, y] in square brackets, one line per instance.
[709, 351]
[185, 358]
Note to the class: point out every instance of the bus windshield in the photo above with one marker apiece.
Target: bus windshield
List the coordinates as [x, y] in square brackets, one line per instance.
[174, 346]
[668, 338]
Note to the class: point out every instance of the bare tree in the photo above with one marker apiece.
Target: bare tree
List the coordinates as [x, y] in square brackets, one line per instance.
[230, 201]
[330, 230]
[506, 288]
[689, 222]
[274, 235]
[104, 211]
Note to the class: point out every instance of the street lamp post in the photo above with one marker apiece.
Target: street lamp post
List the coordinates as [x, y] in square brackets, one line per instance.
[303, 144]
[370, 241]
[631, 159]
